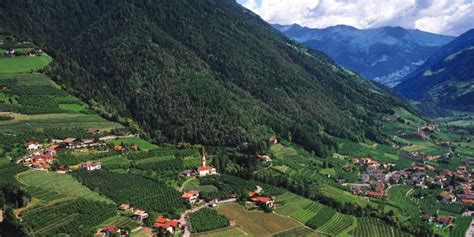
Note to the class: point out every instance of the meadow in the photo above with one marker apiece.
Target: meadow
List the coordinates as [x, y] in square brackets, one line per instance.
[23, 64]
[141, 143]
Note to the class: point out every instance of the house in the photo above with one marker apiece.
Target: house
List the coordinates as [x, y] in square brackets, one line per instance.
[32, 146]
[380, 187]
[189, 173]
[205, 170]
[62, 169]
[273, 139]
[118, 148]
[72, 142]
[125, 207]
[445, 220]
[261, 200]
[140, 214]
[10, 52]
[446, 197]
[134, 147]
[191, 196]
[374, 194]
[109, 230]
[52, 150]
[264, 158]
[112, 230]
[90, 166]
[93, 131]
[167, 225]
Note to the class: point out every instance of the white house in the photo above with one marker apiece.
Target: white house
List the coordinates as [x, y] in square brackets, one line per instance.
[33, 146]
[90, 166]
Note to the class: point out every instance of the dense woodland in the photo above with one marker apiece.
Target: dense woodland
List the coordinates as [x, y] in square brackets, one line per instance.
[220, 77]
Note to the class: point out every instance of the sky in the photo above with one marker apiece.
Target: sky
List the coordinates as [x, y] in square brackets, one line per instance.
[450, 17]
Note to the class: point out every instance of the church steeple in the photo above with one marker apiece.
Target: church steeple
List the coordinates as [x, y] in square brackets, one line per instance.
[203, 157]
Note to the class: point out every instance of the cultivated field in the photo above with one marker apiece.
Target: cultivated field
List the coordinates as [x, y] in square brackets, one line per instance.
[256, 223]
[227, 232]
[142, 144]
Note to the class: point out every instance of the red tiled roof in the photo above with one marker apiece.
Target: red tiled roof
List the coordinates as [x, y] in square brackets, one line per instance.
[188, 195]
[468, 200]
[374, 194]
[109, 228]
[202, 168]
[251, 194]
[263, 199]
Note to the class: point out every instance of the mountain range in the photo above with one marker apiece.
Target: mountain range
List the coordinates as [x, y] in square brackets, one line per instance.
[446, 80]
[386, 55]
[208, 72]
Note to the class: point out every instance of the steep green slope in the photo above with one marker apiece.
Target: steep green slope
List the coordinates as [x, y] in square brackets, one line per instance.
[446, 79]
[207, 72]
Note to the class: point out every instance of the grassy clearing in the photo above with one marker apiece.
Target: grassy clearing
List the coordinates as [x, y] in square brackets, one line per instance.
[142, 144]
[341, 195]
[24, 63]
[257, 223]
[73, 107]
[62, 184]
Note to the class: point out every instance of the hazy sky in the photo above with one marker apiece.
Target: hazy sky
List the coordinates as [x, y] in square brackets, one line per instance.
[452, 17]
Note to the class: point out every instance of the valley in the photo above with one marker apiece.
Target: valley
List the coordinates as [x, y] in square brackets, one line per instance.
[96, 144]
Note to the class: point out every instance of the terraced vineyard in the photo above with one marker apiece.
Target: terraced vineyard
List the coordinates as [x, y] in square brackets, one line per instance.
[124, 222]
[372, 227]
[400, 197]
[461, 225]
[315, 215]
[297, 207]
[338, 223]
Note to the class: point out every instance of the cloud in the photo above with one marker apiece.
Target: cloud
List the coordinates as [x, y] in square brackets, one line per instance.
[452, 17]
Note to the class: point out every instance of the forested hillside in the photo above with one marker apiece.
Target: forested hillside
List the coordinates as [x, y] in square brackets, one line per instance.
[446, 79]
[206, 71]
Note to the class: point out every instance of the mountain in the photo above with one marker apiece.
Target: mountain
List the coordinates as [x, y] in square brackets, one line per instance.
[385, 54]
[207, 71]
[446, 79]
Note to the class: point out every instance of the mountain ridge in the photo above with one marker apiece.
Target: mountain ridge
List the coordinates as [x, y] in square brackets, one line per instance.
[385, 54]
[446, 79]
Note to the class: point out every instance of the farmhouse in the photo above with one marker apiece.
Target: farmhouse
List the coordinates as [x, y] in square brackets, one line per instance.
[445, 220]
[140, 214]
[134, 147]
[205, 170]
[273, 139]
[52, 150]
[261, 200]
[264, 158]
[446, 197]
[191, 196]
[167, 225]
[32, 146]
[118, 148]
[90, 166]
[93, 131]
[72, 142]
[112, 230]
[126, 207]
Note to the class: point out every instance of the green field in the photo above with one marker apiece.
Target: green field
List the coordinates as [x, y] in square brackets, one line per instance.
[23, 64]
[399, 197]
[142, 144]
[73, 107]
[297, 207]
[62, 184]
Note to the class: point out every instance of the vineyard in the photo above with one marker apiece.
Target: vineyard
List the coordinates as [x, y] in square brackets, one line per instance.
[58, 185]
[78, 216]
[143, 193]
[299, 231]
[124, 222]
[400, 197]
[372, 227]
[300, 208]
[206, 220]
[337, 224]
[460, 226]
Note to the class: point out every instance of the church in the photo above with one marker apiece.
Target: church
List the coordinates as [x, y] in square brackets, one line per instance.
[204, 169]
